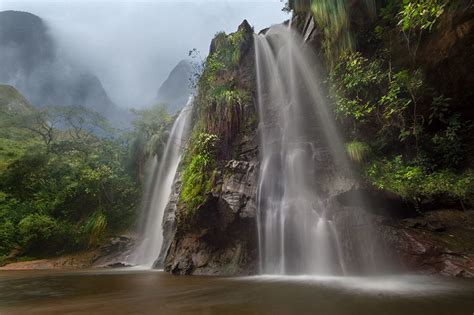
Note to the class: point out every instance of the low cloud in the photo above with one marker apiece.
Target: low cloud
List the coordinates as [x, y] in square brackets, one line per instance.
[132, 46]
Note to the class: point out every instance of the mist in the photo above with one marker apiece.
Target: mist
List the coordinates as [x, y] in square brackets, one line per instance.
[131, 46]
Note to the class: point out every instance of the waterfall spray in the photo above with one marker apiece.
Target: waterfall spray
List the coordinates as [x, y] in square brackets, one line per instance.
[163, 174]
[304, 164]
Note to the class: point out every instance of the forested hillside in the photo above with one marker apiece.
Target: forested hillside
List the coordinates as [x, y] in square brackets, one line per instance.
[69, 180]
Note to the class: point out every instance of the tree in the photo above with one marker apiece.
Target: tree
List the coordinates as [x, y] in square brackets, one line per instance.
[82, 122]
[152, 128]
[43, 122]
[416, 17]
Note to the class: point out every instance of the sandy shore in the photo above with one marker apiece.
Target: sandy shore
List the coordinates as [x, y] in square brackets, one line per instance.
[71, 261]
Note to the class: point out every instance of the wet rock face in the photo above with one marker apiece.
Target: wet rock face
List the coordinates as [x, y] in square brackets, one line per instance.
[435, 242]
[219, 237]
[223, 238]
[448, 53]
[239, 188]
[441, 242]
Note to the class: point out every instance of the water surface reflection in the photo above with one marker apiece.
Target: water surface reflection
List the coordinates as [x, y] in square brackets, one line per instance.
[155, 292]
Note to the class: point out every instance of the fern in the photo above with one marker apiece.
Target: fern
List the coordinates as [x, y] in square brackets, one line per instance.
[95, 227]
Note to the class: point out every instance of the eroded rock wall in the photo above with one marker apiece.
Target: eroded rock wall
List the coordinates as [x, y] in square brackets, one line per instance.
[220, 237]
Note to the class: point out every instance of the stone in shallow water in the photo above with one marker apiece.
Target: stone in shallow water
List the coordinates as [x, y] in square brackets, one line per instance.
[119, 265]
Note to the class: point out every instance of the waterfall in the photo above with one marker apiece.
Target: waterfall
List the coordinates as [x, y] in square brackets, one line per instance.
[303, 165]
[159, 190]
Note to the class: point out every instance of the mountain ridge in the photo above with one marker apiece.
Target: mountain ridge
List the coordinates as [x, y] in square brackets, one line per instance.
[30, 62]
[176, 89]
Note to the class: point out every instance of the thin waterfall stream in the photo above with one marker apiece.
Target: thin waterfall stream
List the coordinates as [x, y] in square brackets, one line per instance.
[159, 190]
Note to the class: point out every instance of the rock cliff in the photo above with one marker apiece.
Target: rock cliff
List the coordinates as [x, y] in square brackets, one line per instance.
[218, 234]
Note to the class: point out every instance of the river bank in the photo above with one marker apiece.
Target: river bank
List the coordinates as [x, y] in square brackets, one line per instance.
[109, 254]
[80, 260]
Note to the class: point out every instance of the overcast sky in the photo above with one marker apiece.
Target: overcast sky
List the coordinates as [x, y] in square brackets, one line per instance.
[133, 45]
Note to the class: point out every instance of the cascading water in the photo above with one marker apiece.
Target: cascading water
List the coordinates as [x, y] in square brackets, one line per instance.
[159, 191]
[303, 159]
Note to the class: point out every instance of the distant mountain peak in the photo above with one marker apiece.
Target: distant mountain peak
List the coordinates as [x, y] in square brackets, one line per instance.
[29, 61]
[176, 89]
[12, 101]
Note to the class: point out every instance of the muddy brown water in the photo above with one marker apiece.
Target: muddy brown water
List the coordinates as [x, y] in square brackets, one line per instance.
[155, 292]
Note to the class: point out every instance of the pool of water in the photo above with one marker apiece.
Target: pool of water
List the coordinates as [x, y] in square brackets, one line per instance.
[155, 292]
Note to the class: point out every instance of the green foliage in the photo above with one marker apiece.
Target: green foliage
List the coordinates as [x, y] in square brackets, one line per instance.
[217, 82]
[368, 95]
[223, 59]
[14, 141]
[447, 143]
[149, 137]
[61, 187]
[418, 184]
[357, 151]
[354, 78]
[95, 227]
[366, 92]
[385, 102]
[420, 14]
[381, 107]
[222, 95]
[152, 127]
[333, 17]
[416, 17]
[197, 176]
[227, 50]
[37, 230]
[56, 196]
[7, 236]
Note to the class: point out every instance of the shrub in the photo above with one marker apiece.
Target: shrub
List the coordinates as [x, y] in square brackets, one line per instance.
[95, 227]
[417, 184]
[7, 237]
[355, 86]
[36, 231]
[357, 150]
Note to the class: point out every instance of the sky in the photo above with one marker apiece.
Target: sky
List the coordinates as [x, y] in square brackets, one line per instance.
[133, 45]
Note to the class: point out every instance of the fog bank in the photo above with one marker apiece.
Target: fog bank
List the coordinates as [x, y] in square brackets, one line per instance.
[133, 45]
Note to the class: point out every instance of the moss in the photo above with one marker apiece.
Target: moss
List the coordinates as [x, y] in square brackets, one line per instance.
[220, 106]
[222, 96]
[223, 59]
[198, 175]
[217, 81]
